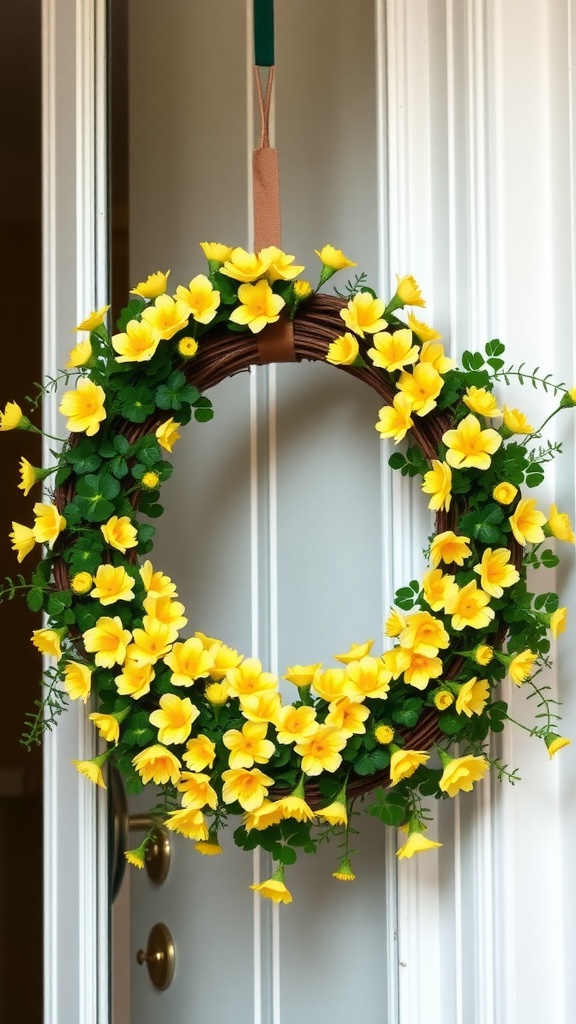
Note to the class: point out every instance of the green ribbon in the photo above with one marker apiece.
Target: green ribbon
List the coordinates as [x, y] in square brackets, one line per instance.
[264, 33]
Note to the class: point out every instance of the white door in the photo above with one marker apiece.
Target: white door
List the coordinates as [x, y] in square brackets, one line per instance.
[420, 136]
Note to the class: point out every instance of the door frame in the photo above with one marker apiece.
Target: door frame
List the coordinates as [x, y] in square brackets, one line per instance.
[75, 280]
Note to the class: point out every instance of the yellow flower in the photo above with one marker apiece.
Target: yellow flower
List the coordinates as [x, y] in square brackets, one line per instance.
[47, 641]
[495, 571]
[527, 522]
[443, 699]
[295, 807]
[188, 661]
[424, 333]
[137, 344]
[280, 265]
[217, 694]
[201, 298]
[223, 658]
[187, 347]
[112, 583]
[384, 734]
[84, 407]
[366, 678]
[261, 707]
[555, 743]
[77, 680]
[302, 675]
[559, 525]
[460, 773]
[119, 533]
[23, 540]
[504, 493]
[249, 678]
[437, 588]
[333, 258]
[269, 813]
[174, 719]
[200, 753]
[422, 386]
[157, 764]
[395, 623]
[558, 621]
[396, 420]
[419, 669]
[246, 787]
[108, 640]
[13, 418]
[343, 350]
[344, 872]
[167, 316]
[154, 285]
[416, 843]
[79, 355]
[424, 634]
[302, 289]
[363, 314]
[249, 746]
[349, 713]
[520, 668]
[294, 724]
[321, 752]
[48, 524]
[433, 353]
[335, 813]
[481, 401]
[438, 483]
[153, 642]
[164, 609]
[189, 823]
[108, 726]
[468, 608]
[483, 654]
[408, 290]
[449, 547]
[472, 697]
[355, 652]
[274, 888]
[393, 351]
[93, 320]
[198, 792]
[156, 584]
[150, 481]
[469, 445]
[244, 266]
[167, 434]
[92, 770]
[29, 475]
[134, 680]
[137, 857]
[404, 763]
[516, 421]
[216, 251]
[259, 306]
[209, 846]
[329, 683]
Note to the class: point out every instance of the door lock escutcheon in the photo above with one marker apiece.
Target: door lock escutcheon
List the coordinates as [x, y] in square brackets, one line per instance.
[159, 956]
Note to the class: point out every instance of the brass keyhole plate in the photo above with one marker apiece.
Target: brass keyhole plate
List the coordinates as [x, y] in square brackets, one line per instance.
[159, 956]
[157, 860]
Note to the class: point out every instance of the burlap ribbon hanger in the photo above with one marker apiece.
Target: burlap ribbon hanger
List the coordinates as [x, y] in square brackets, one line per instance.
[276, 341]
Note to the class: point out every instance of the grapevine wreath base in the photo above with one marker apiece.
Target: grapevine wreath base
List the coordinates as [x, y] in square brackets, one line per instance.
[193, 718]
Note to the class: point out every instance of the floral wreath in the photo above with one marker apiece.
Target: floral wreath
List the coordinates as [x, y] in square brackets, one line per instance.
[195, 718]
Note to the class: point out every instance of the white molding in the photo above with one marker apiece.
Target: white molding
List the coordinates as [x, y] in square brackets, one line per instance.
[75, 262]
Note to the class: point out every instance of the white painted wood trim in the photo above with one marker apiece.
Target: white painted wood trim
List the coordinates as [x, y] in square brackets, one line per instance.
[75, 259]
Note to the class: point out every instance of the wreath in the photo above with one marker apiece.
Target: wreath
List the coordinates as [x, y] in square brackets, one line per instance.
[194, 718]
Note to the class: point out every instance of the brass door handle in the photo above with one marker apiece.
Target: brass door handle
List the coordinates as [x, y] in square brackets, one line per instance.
[158, 853]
